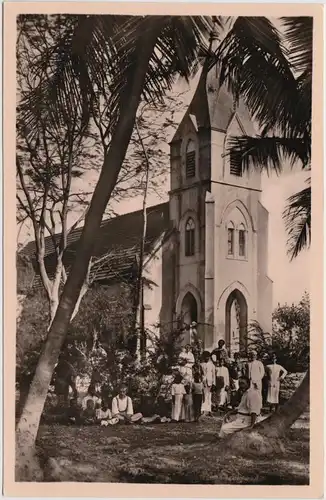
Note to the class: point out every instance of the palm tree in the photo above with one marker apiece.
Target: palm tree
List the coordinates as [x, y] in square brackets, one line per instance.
[286, 135]
[131, 58]
[284, 119]
[140, 55]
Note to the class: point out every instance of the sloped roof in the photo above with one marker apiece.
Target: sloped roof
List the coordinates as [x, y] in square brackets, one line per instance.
[118, 239]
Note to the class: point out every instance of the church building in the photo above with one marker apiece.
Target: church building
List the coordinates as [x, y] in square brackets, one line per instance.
[206, 250]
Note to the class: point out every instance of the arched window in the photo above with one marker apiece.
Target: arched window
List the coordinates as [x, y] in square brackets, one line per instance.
[242, 241]
[230, 238]
[190, 238]
[190, 159]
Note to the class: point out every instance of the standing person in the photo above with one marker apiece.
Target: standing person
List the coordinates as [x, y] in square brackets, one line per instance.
[255, 371]
[197, 392]
[275, 374]
[235, 371]
[265, 361]
[188, 404]
[208, 381]
[122, 407]
[248, 412]
[221, 351]
[189, 360]
[222, 383]
[64, 378]
[178, 391]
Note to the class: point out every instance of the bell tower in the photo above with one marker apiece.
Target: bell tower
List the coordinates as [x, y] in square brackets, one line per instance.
[221, 277]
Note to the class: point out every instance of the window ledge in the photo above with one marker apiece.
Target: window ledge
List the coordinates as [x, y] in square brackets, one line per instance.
[233, 257]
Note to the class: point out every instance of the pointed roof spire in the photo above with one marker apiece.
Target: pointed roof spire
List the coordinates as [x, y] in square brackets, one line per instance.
[213, 106]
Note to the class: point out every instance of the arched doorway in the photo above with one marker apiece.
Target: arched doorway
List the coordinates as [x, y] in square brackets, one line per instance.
[236, 322]
[189, 313]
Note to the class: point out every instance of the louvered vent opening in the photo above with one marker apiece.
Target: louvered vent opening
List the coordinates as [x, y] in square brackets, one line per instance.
[190, 164]
[235, 166]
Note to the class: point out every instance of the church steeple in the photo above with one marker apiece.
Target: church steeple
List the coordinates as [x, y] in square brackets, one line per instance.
[213, 105]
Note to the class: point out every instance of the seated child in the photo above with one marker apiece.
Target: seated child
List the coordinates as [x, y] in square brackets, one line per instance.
[198, 394]
[104, 415]
[178, 391]
[93, 394]
[73, 412]
[122, 407]
[89, 413]
[188, 404]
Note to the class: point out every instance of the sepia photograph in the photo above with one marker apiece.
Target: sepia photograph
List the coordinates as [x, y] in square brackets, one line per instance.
[163, 260]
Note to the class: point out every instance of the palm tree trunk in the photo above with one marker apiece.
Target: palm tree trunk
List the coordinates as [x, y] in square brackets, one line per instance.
[266, 437]
[27, 428]
[140, 349]
[279, 423]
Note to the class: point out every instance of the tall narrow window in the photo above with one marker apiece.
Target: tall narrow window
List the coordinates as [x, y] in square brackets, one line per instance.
[230, 239]
[242, 242]
[190, 159]
[190, 238]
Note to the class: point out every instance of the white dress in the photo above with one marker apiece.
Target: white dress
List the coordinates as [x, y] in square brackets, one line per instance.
[190, 360]
[178, 391]
[256, 372]
[274, 371]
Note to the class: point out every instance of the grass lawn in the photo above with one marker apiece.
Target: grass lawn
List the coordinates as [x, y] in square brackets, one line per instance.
[168, 453]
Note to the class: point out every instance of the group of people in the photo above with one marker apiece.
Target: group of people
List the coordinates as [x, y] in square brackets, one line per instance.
[224, 383]
[215, 381]
[95, 410]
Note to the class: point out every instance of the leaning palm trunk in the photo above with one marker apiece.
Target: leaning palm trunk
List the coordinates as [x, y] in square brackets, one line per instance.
[27, 428]
[266, 437]
[280, 422]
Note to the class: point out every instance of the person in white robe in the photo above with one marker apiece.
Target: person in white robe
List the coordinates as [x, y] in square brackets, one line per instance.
[208, 379]
[275, 373]
[255, 371]
[248, 412]
[189, 360]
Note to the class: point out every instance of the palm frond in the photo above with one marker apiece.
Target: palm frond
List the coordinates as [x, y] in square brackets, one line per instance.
[297, 217]
[254, 66]
[99, 53]
[299, 37]
[267, 153]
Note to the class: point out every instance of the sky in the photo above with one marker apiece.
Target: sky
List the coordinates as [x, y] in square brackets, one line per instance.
[291, 279]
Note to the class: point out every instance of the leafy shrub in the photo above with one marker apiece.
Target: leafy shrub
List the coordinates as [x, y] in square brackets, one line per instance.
[290, 338]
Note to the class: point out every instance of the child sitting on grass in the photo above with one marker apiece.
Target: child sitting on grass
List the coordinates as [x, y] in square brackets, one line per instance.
[93, 394]
[73, 412]
[104, 415]
[89, 413]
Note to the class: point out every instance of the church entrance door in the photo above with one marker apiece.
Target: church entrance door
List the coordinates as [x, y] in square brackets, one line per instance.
[236, 322]
[189, 313]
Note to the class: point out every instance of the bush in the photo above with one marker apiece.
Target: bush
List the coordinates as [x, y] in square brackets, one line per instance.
[290, 338]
